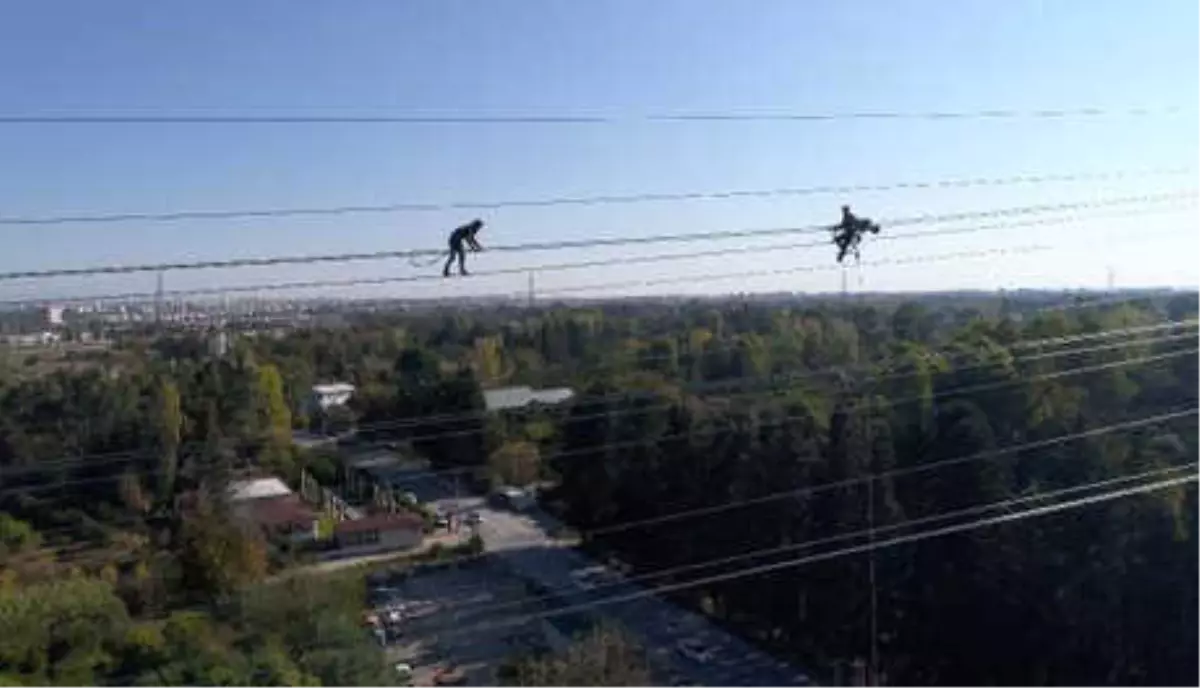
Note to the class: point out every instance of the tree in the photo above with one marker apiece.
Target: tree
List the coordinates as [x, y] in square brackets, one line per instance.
[212, 473]
[275, 418]
[60, 631]
[515, 463]
[16, 536]
[170, 426]
[217, 556]
[603, 657]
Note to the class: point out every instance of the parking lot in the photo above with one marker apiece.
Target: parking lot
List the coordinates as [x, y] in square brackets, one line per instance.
[443, 621]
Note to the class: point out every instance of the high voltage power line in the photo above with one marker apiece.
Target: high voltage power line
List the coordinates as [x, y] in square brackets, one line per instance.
[1014, 211]
[655, 258]
[920, 535]
[1105, 490]
[402, 207]
[577, 119]
[991, 454]
[408, 279]
[720, 387]
[941, 394]
[835, 554]
[903, 539]
[772, 383]
[671, 571]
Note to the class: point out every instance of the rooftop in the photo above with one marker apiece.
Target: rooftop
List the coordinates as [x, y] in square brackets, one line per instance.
[334, 388]
[280, 511]
[258, 488]
[308, 440]
[503, 398]
[403, 521]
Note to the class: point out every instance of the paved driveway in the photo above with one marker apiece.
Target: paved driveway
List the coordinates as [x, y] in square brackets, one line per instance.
[523, 543]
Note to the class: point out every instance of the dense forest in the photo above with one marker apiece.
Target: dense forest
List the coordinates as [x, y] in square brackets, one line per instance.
[118, 562]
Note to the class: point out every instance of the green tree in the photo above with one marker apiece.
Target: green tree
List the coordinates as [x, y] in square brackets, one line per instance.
[61, 631]
[170, 427]
[16, 536]
[217, 555]
[515, 463]
[603, 657]
[275, 418]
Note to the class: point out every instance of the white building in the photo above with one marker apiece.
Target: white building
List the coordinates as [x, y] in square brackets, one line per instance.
[504, 398]
[218, 344]
[258, 488]
[324, 397]
[32, 340]
[53, 315]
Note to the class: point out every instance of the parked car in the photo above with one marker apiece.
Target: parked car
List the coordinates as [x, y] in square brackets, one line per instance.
[593, 576]
[449, 676]
[474, 518]
[695, 651]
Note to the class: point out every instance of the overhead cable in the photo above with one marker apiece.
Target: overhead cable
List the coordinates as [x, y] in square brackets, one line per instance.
[706, 388]
[1015, 211]
[609, 199]
[427, 119]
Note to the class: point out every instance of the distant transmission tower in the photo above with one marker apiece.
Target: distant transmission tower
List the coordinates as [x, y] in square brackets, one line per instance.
[1112, 278]
[158, 299]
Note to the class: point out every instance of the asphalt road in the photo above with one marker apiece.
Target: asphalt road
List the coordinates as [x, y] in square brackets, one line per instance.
[522, 541]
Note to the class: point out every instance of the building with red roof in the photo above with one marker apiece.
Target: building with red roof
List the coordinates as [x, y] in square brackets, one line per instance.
[379, 533]
[269, 504]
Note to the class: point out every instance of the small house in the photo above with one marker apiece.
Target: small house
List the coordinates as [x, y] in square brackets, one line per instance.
[379, 533]
[507, 398]
[270, 504]
[325, 397]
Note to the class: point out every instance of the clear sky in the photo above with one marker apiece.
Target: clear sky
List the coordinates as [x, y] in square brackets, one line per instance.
[624, 58]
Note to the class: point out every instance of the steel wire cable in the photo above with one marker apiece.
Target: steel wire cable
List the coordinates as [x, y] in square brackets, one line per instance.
[1015, 211]
[593, 118]
[399, 207]
[131, 455]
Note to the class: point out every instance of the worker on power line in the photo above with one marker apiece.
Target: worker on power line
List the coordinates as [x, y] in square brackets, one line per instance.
[849, 232]
[464, 234]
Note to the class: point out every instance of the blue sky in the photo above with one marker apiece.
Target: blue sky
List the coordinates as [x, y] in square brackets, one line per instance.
[621, 58]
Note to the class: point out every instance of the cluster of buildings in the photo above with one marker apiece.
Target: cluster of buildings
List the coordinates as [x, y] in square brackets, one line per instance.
[285, 516]
[268, 504]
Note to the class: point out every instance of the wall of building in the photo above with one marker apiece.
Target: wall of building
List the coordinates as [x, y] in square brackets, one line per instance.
[373, 542]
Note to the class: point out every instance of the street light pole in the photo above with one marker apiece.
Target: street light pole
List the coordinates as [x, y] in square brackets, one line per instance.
[872, 667]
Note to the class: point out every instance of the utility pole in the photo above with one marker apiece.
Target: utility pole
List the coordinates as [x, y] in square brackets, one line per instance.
[531, 290]
[873, 665]
[158, 299]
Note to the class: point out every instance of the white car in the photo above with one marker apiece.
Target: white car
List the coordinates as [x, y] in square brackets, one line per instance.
[404, 672]
[695, 651]
[587, 578]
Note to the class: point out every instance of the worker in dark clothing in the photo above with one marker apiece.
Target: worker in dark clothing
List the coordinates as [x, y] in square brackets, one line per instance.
[849, 232]
[466, 234]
